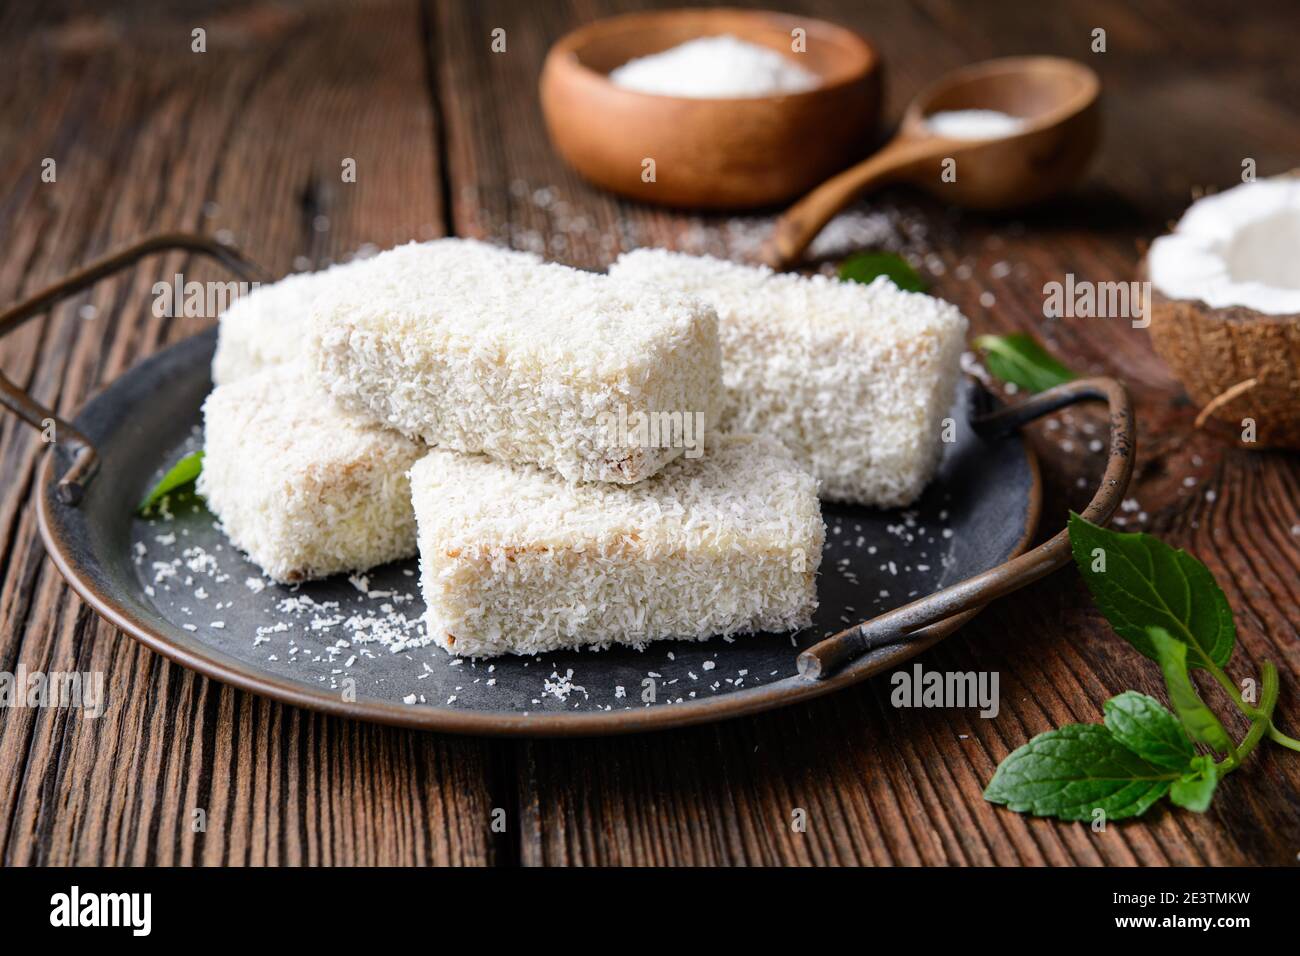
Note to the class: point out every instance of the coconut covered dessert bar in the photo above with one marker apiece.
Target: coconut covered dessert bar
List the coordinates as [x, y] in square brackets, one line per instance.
[854, 379]
[480, 349]
[268, 326]
[515, 560]
[305, 489]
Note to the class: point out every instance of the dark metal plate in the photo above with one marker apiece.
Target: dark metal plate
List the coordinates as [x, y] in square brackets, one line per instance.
[318, 645]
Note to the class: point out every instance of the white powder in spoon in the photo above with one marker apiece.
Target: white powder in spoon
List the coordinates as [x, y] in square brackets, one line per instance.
[974, 124]
[718, 67]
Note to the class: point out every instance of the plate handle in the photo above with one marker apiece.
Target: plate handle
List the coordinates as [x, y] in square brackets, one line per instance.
[85, 460]
[903, 624]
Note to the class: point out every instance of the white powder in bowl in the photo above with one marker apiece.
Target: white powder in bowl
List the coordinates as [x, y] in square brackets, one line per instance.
[974, 124]
[719, 67]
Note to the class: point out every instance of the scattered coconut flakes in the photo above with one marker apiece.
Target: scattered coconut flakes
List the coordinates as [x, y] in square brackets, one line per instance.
[560, 687]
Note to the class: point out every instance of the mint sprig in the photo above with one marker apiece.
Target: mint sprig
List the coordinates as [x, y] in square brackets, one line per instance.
[1197, 719]
[1139, 582]
[1073, 772]
[866, 267]
[1154, 585]
[184, 472]
[1144, 726]
[1195, 789]
[1020, 360]
[1169, 607]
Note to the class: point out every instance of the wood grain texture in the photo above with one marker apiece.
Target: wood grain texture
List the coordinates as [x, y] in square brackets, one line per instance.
[448, 138]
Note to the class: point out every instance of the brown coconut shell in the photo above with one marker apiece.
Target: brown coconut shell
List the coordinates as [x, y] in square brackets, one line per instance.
[1213, 351]
[1216, 353]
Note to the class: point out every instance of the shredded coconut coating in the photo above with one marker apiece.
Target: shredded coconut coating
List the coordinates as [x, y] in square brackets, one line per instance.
[854, 379]
[305, 489]
[514, 560]
[480, 349]
[269, 325]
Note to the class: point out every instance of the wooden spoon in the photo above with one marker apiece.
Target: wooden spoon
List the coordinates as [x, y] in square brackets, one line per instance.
[1058, 101]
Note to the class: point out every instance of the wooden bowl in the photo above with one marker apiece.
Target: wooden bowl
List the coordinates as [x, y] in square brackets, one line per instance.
[709, 153]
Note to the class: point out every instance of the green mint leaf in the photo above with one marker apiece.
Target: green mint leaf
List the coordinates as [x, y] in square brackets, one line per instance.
[867, 266]
[1195, 789]
[1139, 582]
[179, 475]
[1146, 727]
[1198, 720]
[1018, 359]
[1073, 772]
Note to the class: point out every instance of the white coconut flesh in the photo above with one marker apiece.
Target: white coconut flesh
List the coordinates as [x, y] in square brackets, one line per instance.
[1238, 248]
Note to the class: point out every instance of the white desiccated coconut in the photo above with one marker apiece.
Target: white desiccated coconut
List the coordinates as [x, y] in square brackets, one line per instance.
[305, 489]
[269, 325]
[515, 560]
[974, 124]
[715, 67]
[481, 349]
[854, 379]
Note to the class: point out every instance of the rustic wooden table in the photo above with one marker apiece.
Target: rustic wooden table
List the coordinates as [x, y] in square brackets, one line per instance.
[247, 140]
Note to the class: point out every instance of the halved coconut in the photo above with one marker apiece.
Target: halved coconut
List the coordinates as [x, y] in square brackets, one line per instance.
[1226, 306]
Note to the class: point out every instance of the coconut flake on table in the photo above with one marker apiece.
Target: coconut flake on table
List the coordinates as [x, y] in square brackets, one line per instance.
[1240, 247]
[717, 67]
[973, 124]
